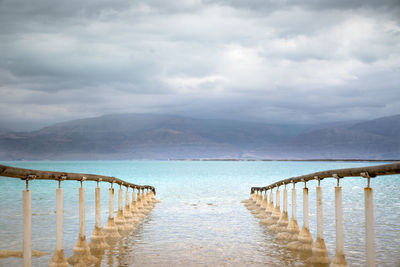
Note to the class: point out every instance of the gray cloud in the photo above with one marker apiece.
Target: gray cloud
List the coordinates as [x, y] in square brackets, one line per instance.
[277, 61]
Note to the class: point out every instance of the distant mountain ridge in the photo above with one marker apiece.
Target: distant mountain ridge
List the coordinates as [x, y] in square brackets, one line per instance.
[149, 136]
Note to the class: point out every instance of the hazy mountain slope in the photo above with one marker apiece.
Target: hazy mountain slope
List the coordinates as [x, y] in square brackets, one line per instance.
[143, 136]
[4, 130]
[388, 127]
[374, 139]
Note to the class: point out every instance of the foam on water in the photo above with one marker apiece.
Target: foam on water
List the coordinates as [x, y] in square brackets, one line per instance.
[200, 220]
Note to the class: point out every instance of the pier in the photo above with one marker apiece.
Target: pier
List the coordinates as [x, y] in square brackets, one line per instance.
[85, 254]
[301, 239]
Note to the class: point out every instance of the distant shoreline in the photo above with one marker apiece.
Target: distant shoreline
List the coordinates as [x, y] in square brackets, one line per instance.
[212, 159]
[333, 160]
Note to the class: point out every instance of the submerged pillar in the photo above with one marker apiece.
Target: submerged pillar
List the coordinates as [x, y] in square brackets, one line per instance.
[153, 196]
[269, 209]
[110, 229]
[253, 204]
[127, 210]
[339, 259]
[292, 231]
[276, 212]
[27, 221]
[256, 207]
[137, 215]
[284, 219]
[305, 240]
[98, 244]
[82, 255]
[145, 206]
[262, 212]
[58, 259]
[247, 202]
[120, 221]
[369, 223]
[320, 252]
[149, 202]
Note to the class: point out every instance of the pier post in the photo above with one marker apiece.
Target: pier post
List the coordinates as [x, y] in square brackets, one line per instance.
[58, 259]
[284, 219]
[82, 255]
[320, 252]
[145, 206]
[305, 239]
[339, 259]
[110, 229]
[369, 222]
[275, 212]
[137, 215]
[293, 229]
[270, 207]
[27, 221]
[256, 207]
[127, 210]
[97, 244]
[262, 211]
[253, 204]
[120, 221]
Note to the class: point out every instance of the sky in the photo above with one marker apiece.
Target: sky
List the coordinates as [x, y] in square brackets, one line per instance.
[272, 61]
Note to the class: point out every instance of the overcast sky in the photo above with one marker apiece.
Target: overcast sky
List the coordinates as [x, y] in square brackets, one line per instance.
[274, 61]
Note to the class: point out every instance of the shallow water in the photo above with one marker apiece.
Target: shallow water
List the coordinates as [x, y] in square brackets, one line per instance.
[200, 221]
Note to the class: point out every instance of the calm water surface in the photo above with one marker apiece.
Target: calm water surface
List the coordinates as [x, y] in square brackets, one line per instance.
[200, 221]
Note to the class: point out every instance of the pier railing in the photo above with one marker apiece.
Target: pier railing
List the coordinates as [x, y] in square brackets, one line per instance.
[143, 199]
[278, 220]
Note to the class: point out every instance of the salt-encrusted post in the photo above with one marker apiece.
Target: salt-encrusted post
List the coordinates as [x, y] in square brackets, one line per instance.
[110, 228]
[305, 240]
[120, 221]
[82, 255]
[320, 252]
[339, 259]
[284, 219]
[27, 220]
[127, 210]
[98, 244]
[137, 215]
[293, 229]
[58, 259]
[369, 222]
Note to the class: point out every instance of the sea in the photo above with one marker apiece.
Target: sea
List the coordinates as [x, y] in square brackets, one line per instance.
[200, 220]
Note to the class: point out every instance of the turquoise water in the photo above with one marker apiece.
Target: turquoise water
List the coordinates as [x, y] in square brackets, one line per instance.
[200, 221]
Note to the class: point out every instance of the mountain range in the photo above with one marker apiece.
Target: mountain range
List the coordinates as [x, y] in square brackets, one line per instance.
[149, 136]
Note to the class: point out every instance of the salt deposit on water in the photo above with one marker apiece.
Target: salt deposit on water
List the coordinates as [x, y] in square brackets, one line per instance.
[200, 220]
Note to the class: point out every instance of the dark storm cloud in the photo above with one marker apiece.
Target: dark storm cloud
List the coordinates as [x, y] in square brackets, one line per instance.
[280, 61]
